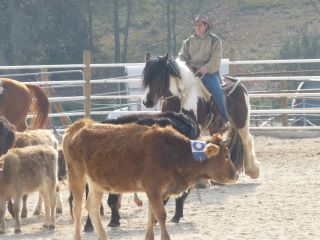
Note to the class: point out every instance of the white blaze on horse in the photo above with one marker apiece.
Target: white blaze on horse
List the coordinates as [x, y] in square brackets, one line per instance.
[166, 79]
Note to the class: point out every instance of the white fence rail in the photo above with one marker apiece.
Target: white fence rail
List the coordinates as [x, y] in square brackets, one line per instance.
[85, 72]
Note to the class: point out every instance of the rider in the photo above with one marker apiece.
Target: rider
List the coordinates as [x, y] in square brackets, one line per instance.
[202, 52]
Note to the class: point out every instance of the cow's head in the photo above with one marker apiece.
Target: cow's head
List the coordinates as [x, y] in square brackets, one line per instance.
[219, 166]
[7, 135]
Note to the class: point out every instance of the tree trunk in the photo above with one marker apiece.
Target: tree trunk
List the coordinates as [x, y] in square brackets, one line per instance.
[90, 28]
[168, 2]
[174, 36]
[116, 32]
[126, 31]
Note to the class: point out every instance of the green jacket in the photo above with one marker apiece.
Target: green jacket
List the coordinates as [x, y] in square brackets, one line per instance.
[206, 51]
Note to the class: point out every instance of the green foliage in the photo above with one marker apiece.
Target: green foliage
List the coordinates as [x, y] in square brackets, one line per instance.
[302, 46]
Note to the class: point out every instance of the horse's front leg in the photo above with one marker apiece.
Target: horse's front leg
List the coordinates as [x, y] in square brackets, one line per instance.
[251, 164]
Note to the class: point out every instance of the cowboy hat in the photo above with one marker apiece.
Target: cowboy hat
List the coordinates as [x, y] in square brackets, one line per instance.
[203, 18]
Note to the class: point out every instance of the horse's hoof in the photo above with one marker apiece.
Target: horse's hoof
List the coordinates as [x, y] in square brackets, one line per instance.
[17, 231]
[175, 219]
[112, 224]
[51, 227]
[59, 210]
[88, 229]
[253, 172]
[36, 213]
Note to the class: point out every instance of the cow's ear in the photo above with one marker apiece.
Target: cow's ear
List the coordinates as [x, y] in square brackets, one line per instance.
[147, 57]
[211, 150]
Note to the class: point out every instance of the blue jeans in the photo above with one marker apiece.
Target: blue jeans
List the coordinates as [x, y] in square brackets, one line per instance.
[212, 83]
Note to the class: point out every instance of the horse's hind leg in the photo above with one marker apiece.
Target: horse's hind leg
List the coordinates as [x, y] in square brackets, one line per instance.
[251, 164]
[114, 202]
[179, 206]
[24, 211]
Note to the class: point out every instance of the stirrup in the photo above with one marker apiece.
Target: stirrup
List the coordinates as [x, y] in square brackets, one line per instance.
[208, 121]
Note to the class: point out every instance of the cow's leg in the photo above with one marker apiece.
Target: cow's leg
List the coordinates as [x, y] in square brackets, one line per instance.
[10, 208]
[179, 207]
[53, 195]
[59, 201]
[37, 210]
[137, 200]
[24, 211]
[251, 164]
[92, 205]
[2, 215]
[151, 223]
[16, 210]
[49, 199]
[113, 203]
[156, 202]
[76, 184]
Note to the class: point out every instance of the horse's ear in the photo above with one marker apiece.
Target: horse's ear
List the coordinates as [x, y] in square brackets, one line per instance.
[147, 57]
[166, 57]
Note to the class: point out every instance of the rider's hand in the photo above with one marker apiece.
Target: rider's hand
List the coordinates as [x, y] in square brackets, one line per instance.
[203, 70]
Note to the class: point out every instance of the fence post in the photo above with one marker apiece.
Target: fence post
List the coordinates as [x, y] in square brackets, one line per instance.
[44, 78]
[284, 103]
[232, 67]
[87, 85]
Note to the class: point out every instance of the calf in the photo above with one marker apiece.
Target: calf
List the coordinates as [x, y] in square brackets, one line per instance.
[27, 170]
[135, 158]
[32, 138]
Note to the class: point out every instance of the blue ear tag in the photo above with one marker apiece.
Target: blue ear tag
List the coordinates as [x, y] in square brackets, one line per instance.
[197, 148]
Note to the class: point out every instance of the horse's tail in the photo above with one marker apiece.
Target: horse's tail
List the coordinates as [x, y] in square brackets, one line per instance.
[39, 107]
[236, 150]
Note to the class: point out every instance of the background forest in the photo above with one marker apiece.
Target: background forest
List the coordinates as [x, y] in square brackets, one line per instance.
[56, 31]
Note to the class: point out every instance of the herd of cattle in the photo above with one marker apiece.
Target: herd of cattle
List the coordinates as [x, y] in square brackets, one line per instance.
[139, 153]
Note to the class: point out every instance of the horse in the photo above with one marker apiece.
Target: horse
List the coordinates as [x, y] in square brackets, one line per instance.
[172, 81]
[16, 98]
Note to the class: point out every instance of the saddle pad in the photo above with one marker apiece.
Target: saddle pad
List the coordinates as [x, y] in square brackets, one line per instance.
[197, 148]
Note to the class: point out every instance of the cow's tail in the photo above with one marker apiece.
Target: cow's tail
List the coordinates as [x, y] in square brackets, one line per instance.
[39, 107]
[236, 150]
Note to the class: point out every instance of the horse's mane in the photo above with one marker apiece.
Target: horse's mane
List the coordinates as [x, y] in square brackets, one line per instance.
[155, 66]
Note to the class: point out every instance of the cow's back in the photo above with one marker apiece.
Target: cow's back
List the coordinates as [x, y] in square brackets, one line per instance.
[27, 168]
[105, 149]
[35, 137]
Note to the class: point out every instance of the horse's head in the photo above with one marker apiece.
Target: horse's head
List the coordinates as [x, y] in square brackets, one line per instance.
[156, 77]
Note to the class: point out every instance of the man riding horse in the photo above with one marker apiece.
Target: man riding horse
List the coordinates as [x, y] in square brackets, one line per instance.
[202, 52]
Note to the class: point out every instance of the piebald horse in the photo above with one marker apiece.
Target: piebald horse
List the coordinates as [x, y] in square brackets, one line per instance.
[164, 78]
[16, 98]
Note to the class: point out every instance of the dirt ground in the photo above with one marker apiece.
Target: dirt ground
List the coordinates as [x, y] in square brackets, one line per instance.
[284, 203]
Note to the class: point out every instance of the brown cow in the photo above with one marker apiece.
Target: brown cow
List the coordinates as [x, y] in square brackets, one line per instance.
[26, 170]
[135, 158]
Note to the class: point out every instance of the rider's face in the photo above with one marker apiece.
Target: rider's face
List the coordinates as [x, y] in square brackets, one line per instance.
[200, 28]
